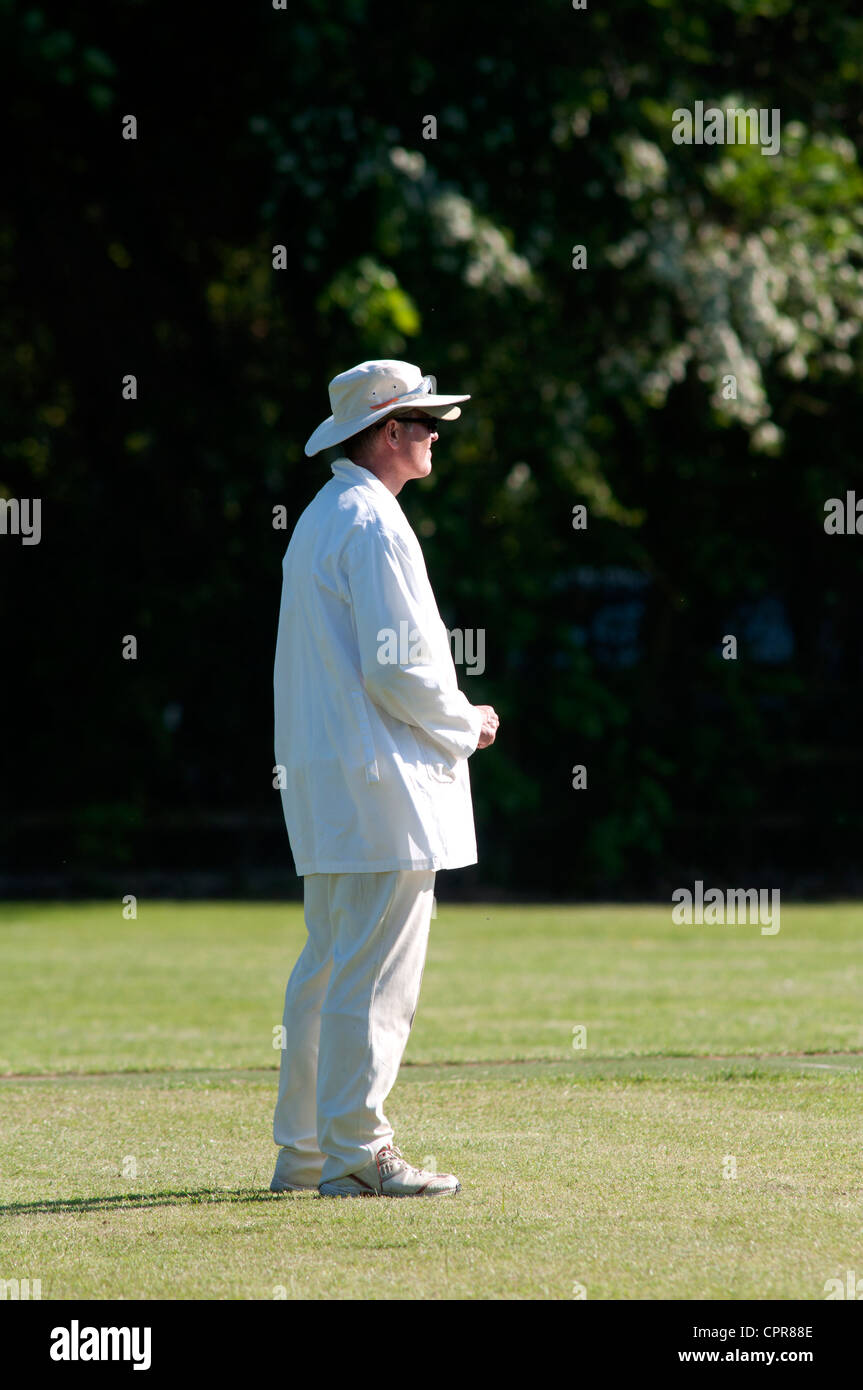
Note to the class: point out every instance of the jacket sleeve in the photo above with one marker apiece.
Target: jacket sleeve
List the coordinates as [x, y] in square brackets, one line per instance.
[395, 615]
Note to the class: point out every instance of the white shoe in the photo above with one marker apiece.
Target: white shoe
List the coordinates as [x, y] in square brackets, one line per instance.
[390, 1175]
[284, 1180]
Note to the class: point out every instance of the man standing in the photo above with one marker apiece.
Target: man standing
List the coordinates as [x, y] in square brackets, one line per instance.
[374, 736]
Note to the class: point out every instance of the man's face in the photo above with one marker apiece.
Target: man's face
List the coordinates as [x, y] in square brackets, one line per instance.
[415, 454]
[402, 449]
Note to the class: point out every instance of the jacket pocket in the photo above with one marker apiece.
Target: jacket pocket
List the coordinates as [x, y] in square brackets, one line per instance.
[440, 772]
[431, 768]
[365, 728]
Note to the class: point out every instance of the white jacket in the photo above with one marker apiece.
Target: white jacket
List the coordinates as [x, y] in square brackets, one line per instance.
[374, 751]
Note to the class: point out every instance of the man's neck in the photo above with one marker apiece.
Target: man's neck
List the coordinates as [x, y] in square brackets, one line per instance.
[390, 477]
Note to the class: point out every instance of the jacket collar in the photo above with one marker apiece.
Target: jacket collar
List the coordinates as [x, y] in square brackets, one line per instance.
[346, 468]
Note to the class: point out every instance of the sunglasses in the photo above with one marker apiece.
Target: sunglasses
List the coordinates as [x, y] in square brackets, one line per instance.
[418, 420]
[430, 425]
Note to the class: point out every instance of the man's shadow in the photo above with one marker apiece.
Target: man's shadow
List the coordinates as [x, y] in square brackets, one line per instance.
[130, 1201]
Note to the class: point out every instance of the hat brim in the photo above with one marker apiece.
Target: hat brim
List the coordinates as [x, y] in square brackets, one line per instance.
[329, 433]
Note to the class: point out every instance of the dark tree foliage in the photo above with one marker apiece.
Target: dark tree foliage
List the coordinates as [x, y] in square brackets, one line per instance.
[606, 386]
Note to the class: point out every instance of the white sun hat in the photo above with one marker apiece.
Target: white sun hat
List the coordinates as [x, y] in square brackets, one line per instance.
[372, 391]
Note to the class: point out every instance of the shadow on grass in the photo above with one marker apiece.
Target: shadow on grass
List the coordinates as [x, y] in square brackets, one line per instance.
[130, 1201]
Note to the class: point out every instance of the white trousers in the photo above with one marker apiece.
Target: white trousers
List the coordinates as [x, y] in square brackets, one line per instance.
[349, 1007]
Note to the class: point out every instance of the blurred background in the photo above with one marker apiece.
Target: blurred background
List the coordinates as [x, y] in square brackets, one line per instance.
[599, 378]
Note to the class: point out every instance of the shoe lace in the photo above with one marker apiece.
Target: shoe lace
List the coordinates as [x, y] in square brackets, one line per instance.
[387, 1153]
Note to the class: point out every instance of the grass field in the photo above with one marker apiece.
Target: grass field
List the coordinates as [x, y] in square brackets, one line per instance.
[138, 1077]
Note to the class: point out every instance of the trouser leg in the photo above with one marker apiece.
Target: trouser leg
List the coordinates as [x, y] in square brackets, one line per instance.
[380, 927]
[295, 1120]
